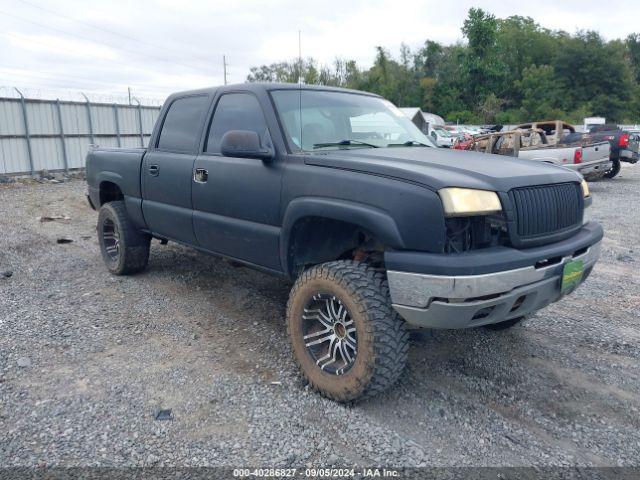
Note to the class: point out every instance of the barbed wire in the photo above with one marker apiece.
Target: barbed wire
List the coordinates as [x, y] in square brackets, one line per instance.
[77, 96]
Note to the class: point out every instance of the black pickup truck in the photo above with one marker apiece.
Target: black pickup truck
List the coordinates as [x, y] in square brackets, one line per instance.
[625, 146]
[339, 192]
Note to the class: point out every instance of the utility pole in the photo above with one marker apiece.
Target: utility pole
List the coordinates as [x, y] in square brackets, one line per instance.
[224, 67]
[129, 90]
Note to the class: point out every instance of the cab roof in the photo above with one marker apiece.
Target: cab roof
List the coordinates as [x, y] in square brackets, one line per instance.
[259, 87]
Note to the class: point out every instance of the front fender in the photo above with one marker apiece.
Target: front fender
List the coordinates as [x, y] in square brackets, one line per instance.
[375, 221]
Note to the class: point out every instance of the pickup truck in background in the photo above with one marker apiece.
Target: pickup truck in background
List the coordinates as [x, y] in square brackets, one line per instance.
[589, 159]
[337, 191]
[625, 146]
[557, 132]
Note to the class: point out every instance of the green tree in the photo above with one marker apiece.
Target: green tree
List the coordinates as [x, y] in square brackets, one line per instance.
[589, 69]
[428, 59]
[482, 67]
[510, 70]
[632, 44]
[540, 93]
[520, 43]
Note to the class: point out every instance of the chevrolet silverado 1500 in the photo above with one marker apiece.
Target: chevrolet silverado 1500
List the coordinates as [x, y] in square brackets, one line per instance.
[339, 192]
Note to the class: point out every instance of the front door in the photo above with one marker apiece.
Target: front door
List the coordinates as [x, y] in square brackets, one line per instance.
[236, 201]
[167, 170]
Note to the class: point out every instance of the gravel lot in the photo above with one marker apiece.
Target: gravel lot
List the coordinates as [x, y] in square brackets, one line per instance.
[87, 360]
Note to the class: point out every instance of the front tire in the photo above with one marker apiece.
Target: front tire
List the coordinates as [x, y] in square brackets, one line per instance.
[125, 249]
[614, 170]
[348, 341]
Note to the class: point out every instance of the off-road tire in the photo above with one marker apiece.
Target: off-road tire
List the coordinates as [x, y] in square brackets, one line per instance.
[504, 325]
[614, 170]
[133, 251]
[382, 338]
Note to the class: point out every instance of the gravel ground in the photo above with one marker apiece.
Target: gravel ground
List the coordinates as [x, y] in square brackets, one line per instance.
[87, 360]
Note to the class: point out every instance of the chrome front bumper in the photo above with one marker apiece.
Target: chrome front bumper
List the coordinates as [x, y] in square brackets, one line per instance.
[437, 301]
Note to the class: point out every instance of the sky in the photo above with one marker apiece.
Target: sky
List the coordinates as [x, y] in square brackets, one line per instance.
[58, 48]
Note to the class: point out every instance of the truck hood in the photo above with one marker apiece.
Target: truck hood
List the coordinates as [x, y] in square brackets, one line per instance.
[438, 168]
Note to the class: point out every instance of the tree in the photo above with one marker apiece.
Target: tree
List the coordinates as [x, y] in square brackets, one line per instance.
[589, 69]
[540, 93]
[520, 43]
[632, 44]
[489, 108]
[481, 65]
[344, 73]
[510, 70]
[428, 59]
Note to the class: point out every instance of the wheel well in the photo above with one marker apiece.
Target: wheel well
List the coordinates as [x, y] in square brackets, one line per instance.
[110, 192]
[315, 240]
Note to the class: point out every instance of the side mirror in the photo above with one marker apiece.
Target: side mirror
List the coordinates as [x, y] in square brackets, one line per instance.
[244, 144]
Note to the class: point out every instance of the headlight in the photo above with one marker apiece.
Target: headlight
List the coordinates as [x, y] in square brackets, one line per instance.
[585, 188]
[458, 202]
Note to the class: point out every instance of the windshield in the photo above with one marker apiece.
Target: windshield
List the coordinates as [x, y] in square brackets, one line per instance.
[316, 120]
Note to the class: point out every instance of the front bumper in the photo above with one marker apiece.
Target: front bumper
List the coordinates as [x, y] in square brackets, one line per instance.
[461, 301]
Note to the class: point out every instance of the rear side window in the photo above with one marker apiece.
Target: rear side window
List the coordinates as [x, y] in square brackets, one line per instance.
[236, 111]
[181, 127]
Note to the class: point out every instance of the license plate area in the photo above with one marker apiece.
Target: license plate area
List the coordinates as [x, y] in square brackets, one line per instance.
[571, 275]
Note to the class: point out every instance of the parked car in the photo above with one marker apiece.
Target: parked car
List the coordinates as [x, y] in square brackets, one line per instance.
[442, 137]
[339, 192]
[591, 160]
[625, 146]
[463, 142]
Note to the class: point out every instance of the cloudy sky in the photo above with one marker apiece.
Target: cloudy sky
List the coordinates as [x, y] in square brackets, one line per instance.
[55, 47]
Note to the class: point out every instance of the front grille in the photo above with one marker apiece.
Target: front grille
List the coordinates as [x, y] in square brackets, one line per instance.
[547, 209]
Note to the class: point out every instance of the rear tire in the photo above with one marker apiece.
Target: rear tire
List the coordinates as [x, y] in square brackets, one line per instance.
[504, 325]
[614, 170]
[348, 341]
[124, 248]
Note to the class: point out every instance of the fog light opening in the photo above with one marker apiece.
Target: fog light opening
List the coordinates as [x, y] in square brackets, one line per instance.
[483, 313]
[518, 303]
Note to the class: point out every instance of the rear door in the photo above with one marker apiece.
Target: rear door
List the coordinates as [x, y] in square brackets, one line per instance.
[168, 166]
[236, 201]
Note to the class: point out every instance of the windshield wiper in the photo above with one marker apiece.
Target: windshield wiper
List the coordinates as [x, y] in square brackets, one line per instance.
[344, 143]
[409, 143]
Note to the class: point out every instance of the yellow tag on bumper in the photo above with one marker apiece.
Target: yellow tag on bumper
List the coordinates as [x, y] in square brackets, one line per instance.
[572, 275]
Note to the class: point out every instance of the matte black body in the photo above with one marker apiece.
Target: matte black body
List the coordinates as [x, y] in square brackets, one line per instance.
[248, 207]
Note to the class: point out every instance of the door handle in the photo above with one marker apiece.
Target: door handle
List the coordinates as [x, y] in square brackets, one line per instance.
[200, 175]
[154, 170]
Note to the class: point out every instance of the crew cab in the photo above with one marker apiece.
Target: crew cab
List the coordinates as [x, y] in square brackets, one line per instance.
[337, 191]
[590, 159]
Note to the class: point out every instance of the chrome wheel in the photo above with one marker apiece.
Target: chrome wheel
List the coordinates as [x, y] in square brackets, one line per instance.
[329, 333]
[111, 238]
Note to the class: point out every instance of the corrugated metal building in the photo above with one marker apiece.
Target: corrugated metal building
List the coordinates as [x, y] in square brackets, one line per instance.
[54, 135]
